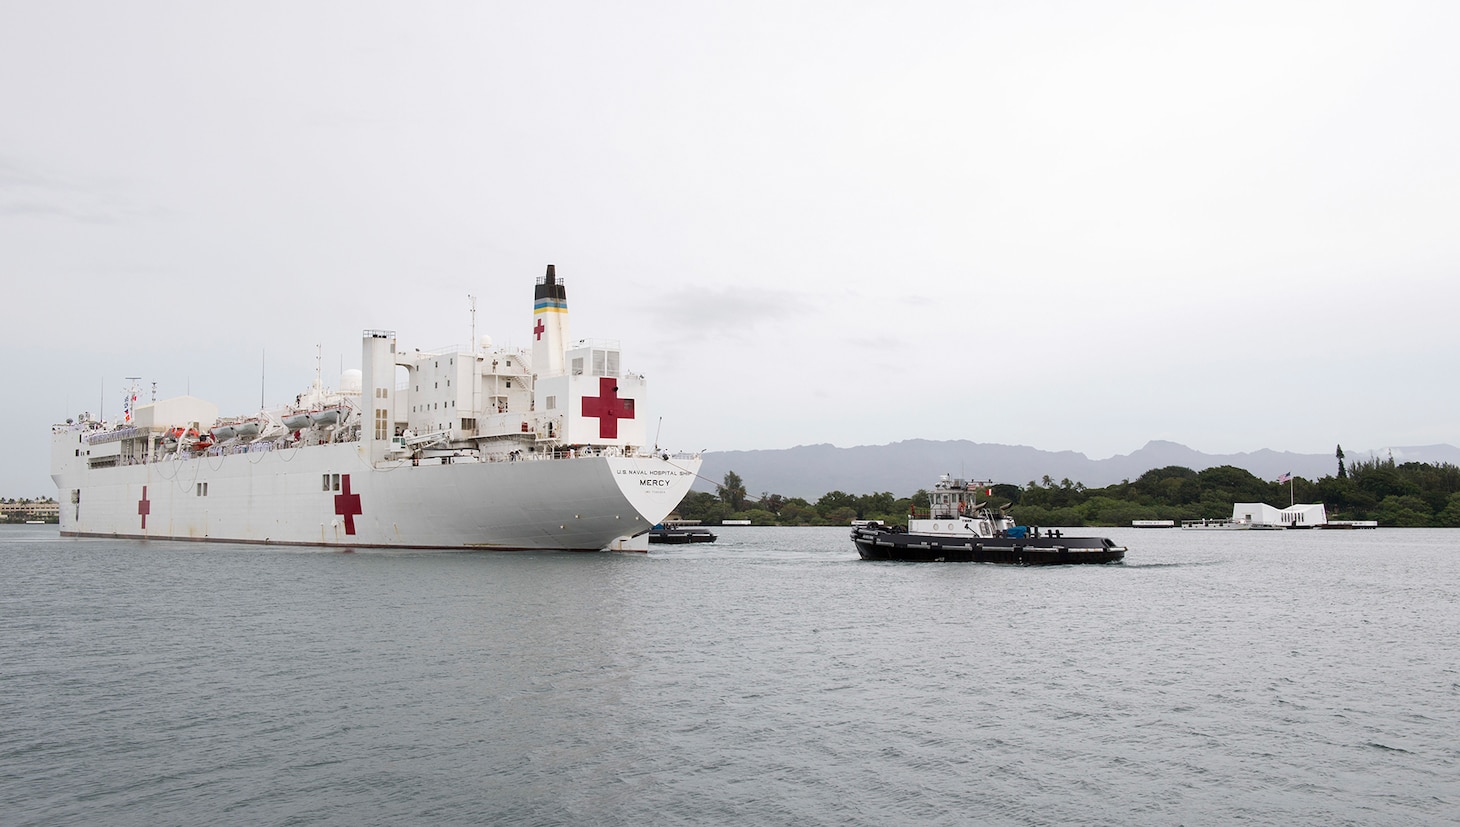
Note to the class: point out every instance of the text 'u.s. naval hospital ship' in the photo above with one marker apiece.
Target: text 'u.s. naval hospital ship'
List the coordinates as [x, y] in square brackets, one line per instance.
[483, 448]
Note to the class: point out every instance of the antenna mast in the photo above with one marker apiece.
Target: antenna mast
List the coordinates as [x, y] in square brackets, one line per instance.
[473, 300]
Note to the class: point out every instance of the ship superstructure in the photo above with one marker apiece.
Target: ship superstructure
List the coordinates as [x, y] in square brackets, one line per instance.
[469, 447]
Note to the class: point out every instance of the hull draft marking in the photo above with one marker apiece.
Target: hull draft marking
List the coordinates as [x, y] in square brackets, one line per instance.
[347, 505]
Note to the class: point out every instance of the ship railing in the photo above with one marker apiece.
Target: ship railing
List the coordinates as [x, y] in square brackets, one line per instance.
[611, 451]
[942, 513]
[608, 451]
[589, 451]
[114, 436]
[457, 348]
[596, 344]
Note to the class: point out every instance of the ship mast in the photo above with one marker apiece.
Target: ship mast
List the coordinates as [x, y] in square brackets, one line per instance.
[129, 399]
[473, 300]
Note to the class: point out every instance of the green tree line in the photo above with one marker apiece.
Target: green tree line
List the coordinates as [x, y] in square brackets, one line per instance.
[1407, 494]
[731, 502]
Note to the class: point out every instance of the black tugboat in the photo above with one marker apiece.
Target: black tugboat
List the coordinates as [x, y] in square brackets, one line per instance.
[957, 528]
[670, 533]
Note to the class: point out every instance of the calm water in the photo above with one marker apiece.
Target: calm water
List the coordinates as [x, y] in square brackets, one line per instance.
[772, 678]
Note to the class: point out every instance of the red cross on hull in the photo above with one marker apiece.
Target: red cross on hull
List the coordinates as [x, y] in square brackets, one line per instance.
[347, 505]
[608, 408]
[144, 507]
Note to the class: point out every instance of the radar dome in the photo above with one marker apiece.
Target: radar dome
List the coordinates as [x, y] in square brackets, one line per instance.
[486, 342]
[350, 381]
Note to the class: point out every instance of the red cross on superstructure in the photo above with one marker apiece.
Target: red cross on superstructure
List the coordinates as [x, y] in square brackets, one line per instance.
[347, 505]
[144, 507]
[608, 408]
[539, 329]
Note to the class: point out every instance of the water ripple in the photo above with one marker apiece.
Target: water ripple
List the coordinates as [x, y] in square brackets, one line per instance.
[772, 678]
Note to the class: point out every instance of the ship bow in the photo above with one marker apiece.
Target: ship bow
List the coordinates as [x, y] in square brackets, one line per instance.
[654, 486]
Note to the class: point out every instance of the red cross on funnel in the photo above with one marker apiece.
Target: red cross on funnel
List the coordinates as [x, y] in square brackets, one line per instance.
[538, 330]
[608, 408]
[347, 505]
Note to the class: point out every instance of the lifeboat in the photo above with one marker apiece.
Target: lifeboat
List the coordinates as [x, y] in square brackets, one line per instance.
[223, 433]
[247, 430]
[296, 421]
[326, 417]
[171, 436]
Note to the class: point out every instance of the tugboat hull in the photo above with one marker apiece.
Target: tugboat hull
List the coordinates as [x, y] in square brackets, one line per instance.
[879, 544]
[678, 536]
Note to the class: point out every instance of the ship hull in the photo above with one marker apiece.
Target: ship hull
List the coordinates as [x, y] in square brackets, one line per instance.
[329, 496]
[875, 544]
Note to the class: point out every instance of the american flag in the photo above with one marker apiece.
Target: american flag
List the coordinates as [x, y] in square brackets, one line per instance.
[1286, 477]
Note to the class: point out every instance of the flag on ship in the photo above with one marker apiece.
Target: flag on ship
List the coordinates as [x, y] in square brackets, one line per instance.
[1286, 477]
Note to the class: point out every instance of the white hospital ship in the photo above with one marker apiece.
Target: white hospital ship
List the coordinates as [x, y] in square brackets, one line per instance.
[484, 448]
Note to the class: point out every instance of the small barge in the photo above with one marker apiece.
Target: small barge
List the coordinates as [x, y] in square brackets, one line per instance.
[676, 534]
[958, 528]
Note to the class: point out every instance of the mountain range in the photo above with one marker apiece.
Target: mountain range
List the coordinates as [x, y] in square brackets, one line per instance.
[903, 467]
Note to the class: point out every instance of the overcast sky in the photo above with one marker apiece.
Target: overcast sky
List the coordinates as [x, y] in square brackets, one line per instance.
[1076, 226]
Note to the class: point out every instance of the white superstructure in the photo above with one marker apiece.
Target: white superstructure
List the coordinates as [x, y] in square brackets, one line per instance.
[471, 448]
[1261, 516]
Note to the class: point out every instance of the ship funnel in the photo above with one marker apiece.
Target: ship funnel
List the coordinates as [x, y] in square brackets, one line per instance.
[549, 324]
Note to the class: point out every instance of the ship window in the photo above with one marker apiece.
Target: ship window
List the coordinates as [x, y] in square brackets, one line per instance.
[509, 383]
[382, 425]
[598, 367]
[613, 363]
[578, 365]
[326, 482]
[335, 481]
[509, 363]
[552, 403]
